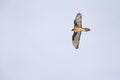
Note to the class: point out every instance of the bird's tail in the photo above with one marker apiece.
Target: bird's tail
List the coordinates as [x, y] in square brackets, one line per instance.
[86, 29]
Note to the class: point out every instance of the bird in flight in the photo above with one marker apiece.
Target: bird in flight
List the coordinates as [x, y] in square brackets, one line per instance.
[77, 30]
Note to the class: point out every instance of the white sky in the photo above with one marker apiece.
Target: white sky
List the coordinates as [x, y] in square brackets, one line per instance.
[36, 40]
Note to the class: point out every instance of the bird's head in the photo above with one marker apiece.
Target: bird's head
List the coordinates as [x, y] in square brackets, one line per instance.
[73, 29]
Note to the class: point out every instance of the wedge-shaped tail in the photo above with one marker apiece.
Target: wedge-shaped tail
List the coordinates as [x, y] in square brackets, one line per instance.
[86, 29]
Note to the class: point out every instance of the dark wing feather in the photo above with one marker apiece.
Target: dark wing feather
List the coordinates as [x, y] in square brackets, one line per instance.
[76, 39]
[76, 35]
[78, 20]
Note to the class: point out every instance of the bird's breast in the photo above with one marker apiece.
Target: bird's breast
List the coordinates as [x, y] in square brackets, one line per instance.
[77, 29]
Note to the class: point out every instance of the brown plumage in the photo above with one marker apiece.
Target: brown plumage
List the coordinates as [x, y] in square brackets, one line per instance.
[77, 30]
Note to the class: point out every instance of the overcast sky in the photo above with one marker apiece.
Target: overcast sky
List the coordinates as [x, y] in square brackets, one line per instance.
[36, 40]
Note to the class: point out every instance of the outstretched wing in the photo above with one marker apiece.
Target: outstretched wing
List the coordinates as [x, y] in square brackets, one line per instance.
[76, 35]
[78, 20]
[76, 39]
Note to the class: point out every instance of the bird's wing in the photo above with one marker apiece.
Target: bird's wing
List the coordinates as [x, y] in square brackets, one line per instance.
[78, 20]
[76, 35]
[76, 39]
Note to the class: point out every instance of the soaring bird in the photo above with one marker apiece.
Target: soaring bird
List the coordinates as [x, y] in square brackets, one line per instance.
[77, 30]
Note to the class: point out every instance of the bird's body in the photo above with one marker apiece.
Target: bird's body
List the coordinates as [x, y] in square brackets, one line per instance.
[77, 30]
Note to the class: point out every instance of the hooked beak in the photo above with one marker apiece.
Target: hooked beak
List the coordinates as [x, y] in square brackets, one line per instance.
[72, 30]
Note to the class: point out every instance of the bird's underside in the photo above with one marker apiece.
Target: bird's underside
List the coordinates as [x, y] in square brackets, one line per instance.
[77, 30]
